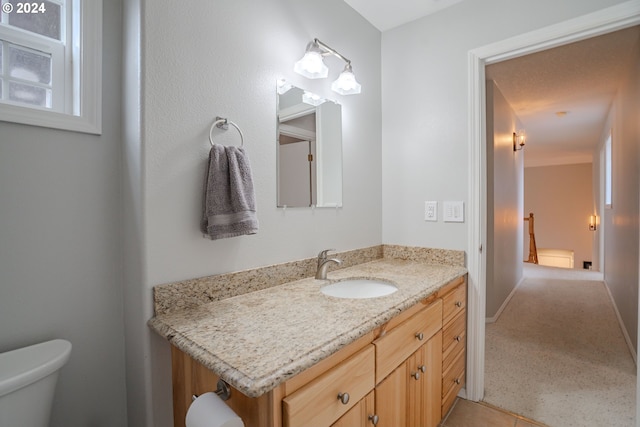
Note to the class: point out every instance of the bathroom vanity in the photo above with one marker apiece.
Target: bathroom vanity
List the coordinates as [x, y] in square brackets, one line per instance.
[296, 357]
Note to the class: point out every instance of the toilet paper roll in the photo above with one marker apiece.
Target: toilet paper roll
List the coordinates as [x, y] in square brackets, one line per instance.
[208, 410]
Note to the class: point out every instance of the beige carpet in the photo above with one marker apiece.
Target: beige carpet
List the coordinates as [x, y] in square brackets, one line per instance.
[557, 355]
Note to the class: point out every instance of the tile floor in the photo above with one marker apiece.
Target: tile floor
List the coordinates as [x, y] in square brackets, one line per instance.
[465, 413]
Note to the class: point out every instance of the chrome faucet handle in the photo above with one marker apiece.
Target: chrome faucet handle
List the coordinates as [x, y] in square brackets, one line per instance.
[323, 254]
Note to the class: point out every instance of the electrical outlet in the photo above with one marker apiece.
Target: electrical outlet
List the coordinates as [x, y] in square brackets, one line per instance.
[430, 211]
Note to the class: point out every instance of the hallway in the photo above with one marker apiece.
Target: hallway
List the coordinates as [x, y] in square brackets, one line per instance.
[557, 354]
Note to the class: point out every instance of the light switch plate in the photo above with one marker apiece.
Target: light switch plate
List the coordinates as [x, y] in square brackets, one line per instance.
[431, 211]
[453, 211]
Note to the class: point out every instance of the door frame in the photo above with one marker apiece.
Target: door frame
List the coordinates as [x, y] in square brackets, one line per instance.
[604, 21]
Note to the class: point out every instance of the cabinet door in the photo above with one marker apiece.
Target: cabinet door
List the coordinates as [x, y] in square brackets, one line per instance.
[358, 416]
[411, 395]
[391, 399]
[424, 373]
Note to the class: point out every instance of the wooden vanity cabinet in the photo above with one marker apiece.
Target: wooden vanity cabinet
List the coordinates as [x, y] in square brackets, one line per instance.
[394, 375]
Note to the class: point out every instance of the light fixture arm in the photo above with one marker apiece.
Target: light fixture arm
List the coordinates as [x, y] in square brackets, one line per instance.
[330, 51]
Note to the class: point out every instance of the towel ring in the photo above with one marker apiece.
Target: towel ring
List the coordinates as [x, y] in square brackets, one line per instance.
[223, 123]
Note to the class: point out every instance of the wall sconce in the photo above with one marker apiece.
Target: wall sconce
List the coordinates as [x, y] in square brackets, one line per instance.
[518, 140]
[593, 222]
[312, 66]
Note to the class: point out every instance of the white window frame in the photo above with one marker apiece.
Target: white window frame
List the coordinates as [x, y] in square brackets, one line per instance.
[82, 74]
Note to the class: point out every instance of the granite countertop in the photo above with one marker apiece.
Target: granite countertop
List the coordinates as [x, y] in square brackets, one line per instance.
[258, 340]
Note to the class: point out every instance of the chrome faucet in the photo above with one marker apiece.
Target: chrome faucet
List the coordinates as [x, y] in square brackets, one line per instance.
[323, 263]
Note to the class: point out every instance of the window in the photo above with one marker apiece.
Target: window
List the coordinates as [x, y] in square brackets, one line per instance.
[50, 63]
[607, 172]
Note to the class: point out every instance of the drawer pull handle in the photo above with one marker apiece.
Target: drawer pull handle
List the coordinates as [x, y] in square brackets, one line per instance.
[420, 336]
[422, 368]
[457, 381]
[343, 397]
[374, 419]
[416, 375]
[457, 338]
[458, 304]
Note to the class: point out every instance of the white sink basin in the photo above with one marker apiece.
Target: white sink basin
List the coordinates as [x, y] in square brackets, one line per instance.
[359, 289]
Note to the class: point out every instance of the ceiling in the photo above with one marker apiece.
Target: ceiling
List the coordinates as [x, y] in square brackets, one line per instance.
[387, 14]
[562, 96]
[579, 79]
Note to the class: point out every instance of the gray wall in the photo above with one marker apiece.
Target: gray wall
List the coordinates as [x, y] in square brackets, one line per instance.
[223, 58]
[60, 262]
[621, 228]
[505, 199]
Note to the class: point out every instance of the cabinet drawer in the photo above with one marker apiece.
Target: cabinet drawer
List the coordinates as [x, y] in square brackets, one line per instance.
[448, 400]
[453, 377]
[454, 303]
[318, 404]
[450, 397]
[453, 339]
[400, 342]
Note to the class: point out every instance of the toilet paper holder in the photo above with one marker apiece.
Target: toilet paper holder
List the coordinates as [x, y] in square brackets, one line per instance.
[223, 391]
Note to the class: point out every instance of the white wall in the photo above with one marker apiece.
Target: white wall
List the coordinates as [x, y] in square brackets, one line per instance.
[425, 108]
[505, 200]
[561, 199]
[223, 58]
[620, 222]
[60, 261]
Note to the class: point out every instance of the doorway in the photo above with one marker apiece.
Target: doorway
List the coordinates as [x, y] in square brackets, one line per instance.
[607, 20]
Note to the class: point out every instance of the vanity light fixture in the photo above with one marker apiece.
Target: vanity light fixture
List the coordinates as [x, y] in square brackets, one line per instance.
[593, 222]
[312, 66]
[518, 140]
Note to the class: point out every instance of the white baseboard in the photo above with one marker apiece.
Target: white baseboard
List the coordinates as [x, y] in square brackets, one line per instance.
[504, 304]
[622, 327]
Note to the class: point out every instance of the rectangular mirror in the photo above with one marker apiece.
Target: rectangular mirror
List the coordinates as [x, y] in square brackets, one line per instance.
[309, 144]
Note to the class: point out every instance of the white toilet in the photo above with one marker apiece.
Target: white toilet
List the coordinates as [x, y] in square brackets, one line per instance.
[27, 383]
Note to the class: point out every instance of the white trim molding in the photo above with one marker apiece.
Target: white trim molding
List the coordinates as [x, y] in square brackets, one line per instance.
[504, 304]
[594, 24]
[623, 328]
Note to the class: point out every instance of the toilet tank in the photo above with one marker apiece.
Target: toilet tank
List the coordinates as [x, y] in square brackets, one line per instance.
[27, 382]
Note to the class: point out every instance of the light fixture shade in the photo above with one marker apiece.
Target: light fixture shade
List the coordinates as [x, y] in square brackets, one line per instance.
[346, 84]
[519, 139]
[283, 87]
[311, 98]
[311, 65]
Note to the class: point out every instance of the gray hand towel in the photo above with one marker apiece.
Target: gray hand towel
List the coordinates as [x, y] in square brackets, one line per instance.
[229, 207]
